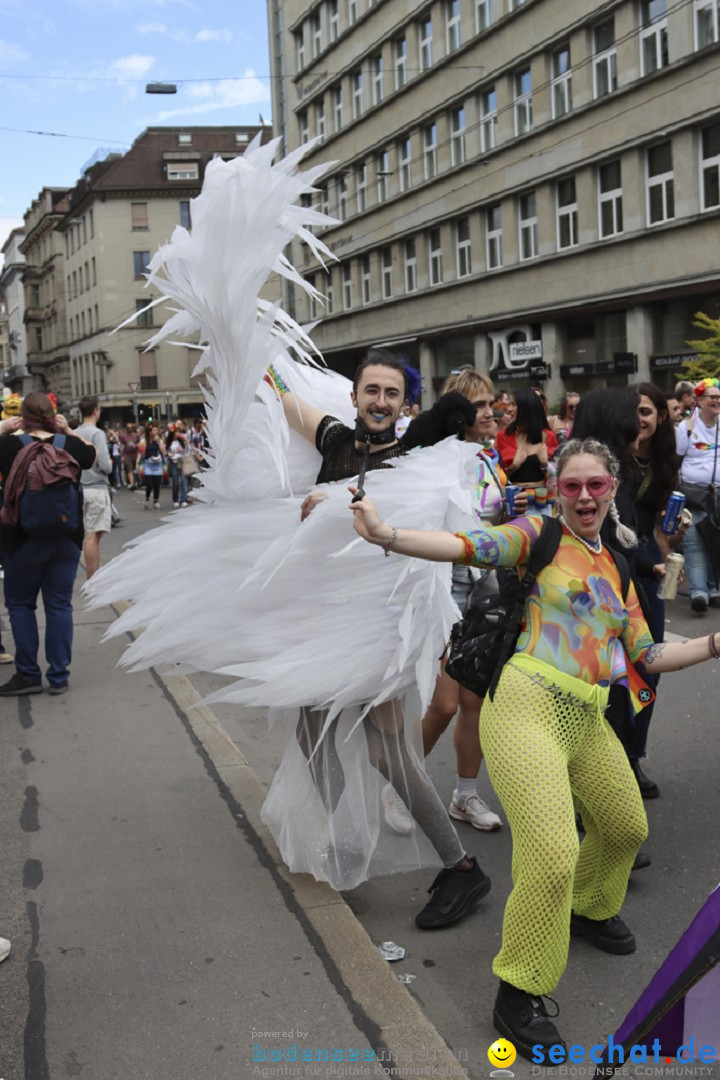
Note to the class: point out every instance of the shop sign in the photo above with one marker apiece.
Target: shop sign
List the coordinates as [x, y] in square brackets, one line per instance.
[503, 376]
[524, 351]
[540, 371]
[569, 371]
[671, 360]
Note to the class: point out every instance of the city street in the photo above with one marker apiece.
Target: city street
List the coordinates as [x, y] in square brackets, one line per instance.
[156, 933]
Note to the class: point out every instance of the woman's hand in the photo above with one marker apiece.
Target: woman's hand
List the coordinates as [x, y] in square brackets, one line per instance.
[367, 521]
[659, 570]
[13, 423]
[62, 425]
[310, 502]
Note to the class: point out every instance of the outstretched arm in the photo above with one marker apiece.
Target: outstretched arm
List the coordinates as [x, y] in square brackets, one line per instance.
[435, 546]
[303, 418]
[675, 655]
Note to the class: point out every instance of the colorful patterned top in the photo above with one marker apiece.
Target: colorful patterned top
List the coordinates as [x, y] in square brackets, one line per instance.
[575, 617]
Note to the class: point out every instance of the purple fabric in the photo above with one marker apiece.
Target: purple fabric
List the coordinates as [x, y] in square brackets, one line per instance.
[675, 1028]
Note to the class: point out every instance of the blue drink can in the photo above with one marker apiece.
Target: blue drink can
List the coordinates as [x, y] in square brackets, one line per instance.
[674, 509]
[511, 491]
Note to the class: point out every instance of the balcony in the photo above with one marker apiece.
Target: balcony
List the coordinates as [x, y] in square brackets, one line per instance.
[34, 315]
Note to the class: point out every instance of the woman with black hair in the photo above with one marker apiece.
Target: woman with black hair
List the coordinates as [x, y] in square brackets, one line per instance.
[653, 474]
[527, 444]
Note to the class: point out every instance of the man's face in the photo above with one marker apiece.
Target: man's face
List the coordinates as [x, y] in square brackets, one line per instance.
[674, 410]
[379, 397]
[687, 400]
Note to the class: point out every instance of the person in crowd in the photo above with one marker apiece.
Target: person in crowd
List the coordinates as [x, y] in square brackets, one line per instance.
[561, 424]
[380, 387]
[177, 449]
[450, 698]
[547, 743]
[674, 410]
[409, 411]
[653, 475]
[527, 444]
[129, 440]
[115, 449]
[199, 442]
[151, 460]
[500, 409]
[538, 390]
[33, 565]
[97, 511]
[697, 439]
[685, 394]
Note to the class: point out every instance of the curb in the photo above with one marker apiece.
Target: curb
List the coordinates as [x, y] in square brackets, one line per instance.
[405, 1033]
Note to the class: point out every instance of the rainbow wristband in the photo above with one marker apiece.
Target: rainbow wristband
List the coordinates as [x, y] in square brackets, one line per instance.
[275, 379]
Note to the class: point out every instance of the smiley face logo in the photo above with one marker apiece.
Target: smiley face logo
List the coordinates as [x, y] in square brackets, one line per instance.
[502, 1054]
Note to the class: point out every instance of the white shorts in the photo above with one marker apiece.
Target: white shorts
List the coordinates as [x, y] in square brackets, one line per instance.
[97, 515]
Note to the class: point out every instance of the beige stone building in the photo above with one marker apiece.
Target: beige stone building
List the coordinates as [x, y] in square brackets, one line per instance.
[532, 187]
[13, 355]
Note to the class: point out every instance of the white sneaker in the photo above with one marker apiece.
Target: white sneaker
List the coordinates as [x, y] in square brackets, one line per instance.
[183, 505]
[475, 812]
[176, 505]
[4, 948]
[397, 815]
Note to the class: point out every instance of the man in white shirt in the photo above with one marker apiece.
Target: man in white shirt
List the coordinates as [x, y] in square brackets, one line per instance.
[97, 510]
[697, 442]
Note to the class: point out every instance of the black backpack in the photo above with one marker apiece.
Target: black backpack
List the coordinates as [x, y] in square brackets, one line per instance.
[483, 641]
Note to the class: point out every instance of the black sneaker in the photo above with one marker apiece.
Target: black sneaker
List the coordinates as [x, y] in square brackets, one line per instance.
[642, 861]
[523, 1019]
[453, 893]
[699, 603]
[57, 689]
[20, 685]
[610, 935]
[648, 787]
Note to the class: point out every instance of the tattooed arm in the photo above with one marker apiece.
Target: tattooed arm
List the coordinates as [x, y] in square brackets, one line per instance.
[675, 655]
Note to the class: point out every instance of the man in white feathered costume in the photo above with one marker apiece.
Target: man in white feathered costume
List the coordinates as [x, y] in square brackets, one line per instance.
[301, 615]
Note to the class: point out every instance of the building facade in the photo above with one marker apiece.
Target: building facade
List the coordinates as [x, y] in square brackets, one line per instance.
[530, 187]
[13, 365]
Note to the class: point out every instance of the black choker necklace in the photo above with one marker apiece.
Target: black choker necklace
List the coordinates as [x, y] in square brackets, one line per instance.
[375, 438]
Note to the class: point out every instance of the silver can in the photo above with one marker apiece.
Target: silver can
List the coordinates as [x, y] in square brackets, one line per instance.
[667, 589]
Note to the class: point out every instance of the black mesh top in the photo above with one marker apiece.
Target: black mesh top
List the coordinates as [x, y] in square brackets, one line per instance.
[341, 458]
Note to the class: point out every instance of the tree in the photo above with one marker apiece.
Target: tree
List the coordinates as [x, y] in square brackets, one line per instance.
[706, 363]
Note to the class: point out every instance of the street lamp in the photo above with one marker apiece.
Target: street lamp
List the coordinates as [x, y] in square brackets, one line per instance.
[160, 88]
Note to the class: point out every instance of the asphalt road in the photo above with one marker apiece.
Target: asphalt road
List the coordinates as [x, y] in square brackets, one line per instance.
[153, 935]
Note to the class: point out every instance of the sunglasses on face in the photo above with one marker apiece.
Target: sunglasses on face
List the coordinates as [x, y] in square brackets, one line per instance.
[713, 398]
[596, 486]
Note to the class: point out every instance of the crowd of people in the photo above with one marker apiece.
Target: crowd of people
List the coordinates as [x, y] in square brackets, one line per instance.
[144, 456]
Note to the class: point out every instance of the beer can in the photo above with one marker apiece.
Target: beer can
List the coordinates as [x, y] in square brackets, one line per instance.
[511, 491]
[671, 518]
[667, 590]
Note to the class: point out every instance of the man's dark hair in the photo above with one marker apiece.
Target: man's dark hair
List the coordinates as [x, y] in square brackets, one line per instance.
[88, 404]
[384, 358]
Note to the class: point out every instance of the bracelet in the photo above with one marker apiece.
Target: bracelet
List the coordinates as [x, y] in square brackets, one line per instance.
[714, 651]
[275, 379]
[387, 548]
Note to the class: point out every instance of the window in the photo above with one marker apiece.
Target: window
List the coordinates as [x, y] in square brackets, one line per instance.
[567, 214]
[342, 194]
[706, 22]
[462, 247]
[139, 215]
[404, 163]
[140, 262]
[185, 139]
[182, 170]
[457, 135]
[515, 4]
[430, 150]
[561, 82]
[323, 199]
[410, 266]
[145, 318]
[352, 11]
[311, 298]
[528, 226]
[320, 119]
[334, 19]
[94, 270]
[337, 95]
[425, 42]
[387, 282]
[522, 84]
[303, 126]
[435, 257]
[356, 81]
[74, 285]
[347, 287]
[661, 185]
[710, 145]
[604, 58]
[610, 199]
[330, 294]
[452, 24]
[299, 49]
[92, 224]
[654, 36]
[376, 66]
[483, 15]
[488, 119]
[361, 184]
[493, 227]
[365, 279]
[382, 169]
[400, 62]
[184, 205]
[316, 30]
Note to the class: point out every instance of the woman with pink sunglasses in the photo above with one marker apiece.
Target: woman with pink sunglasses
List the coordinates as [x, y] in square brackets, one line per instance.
[548, 745]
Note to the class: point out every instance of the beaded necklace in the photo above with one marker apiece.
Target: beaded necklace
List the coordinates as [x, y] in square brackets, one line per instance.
[591, 544]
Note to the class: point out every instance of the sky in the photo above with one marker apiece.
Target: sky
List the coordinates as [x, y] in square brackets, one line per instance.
[73, 76]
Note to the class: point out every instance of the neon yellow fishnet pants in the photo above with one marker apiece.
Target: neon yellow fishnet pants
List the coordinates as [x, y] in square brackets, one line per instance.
[549, 750]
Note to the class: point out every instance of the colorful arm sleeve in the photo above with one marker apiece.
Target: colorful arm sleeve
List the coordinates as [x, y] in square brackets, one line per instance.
[636, 636]
[500, 545]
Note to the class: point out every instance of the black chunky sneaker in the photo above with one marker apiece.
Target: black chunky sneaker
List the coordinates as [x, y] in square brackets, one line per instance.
[452, 894]
[648, 787]
[19, 685]
[610, 935]
[523, 1019]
